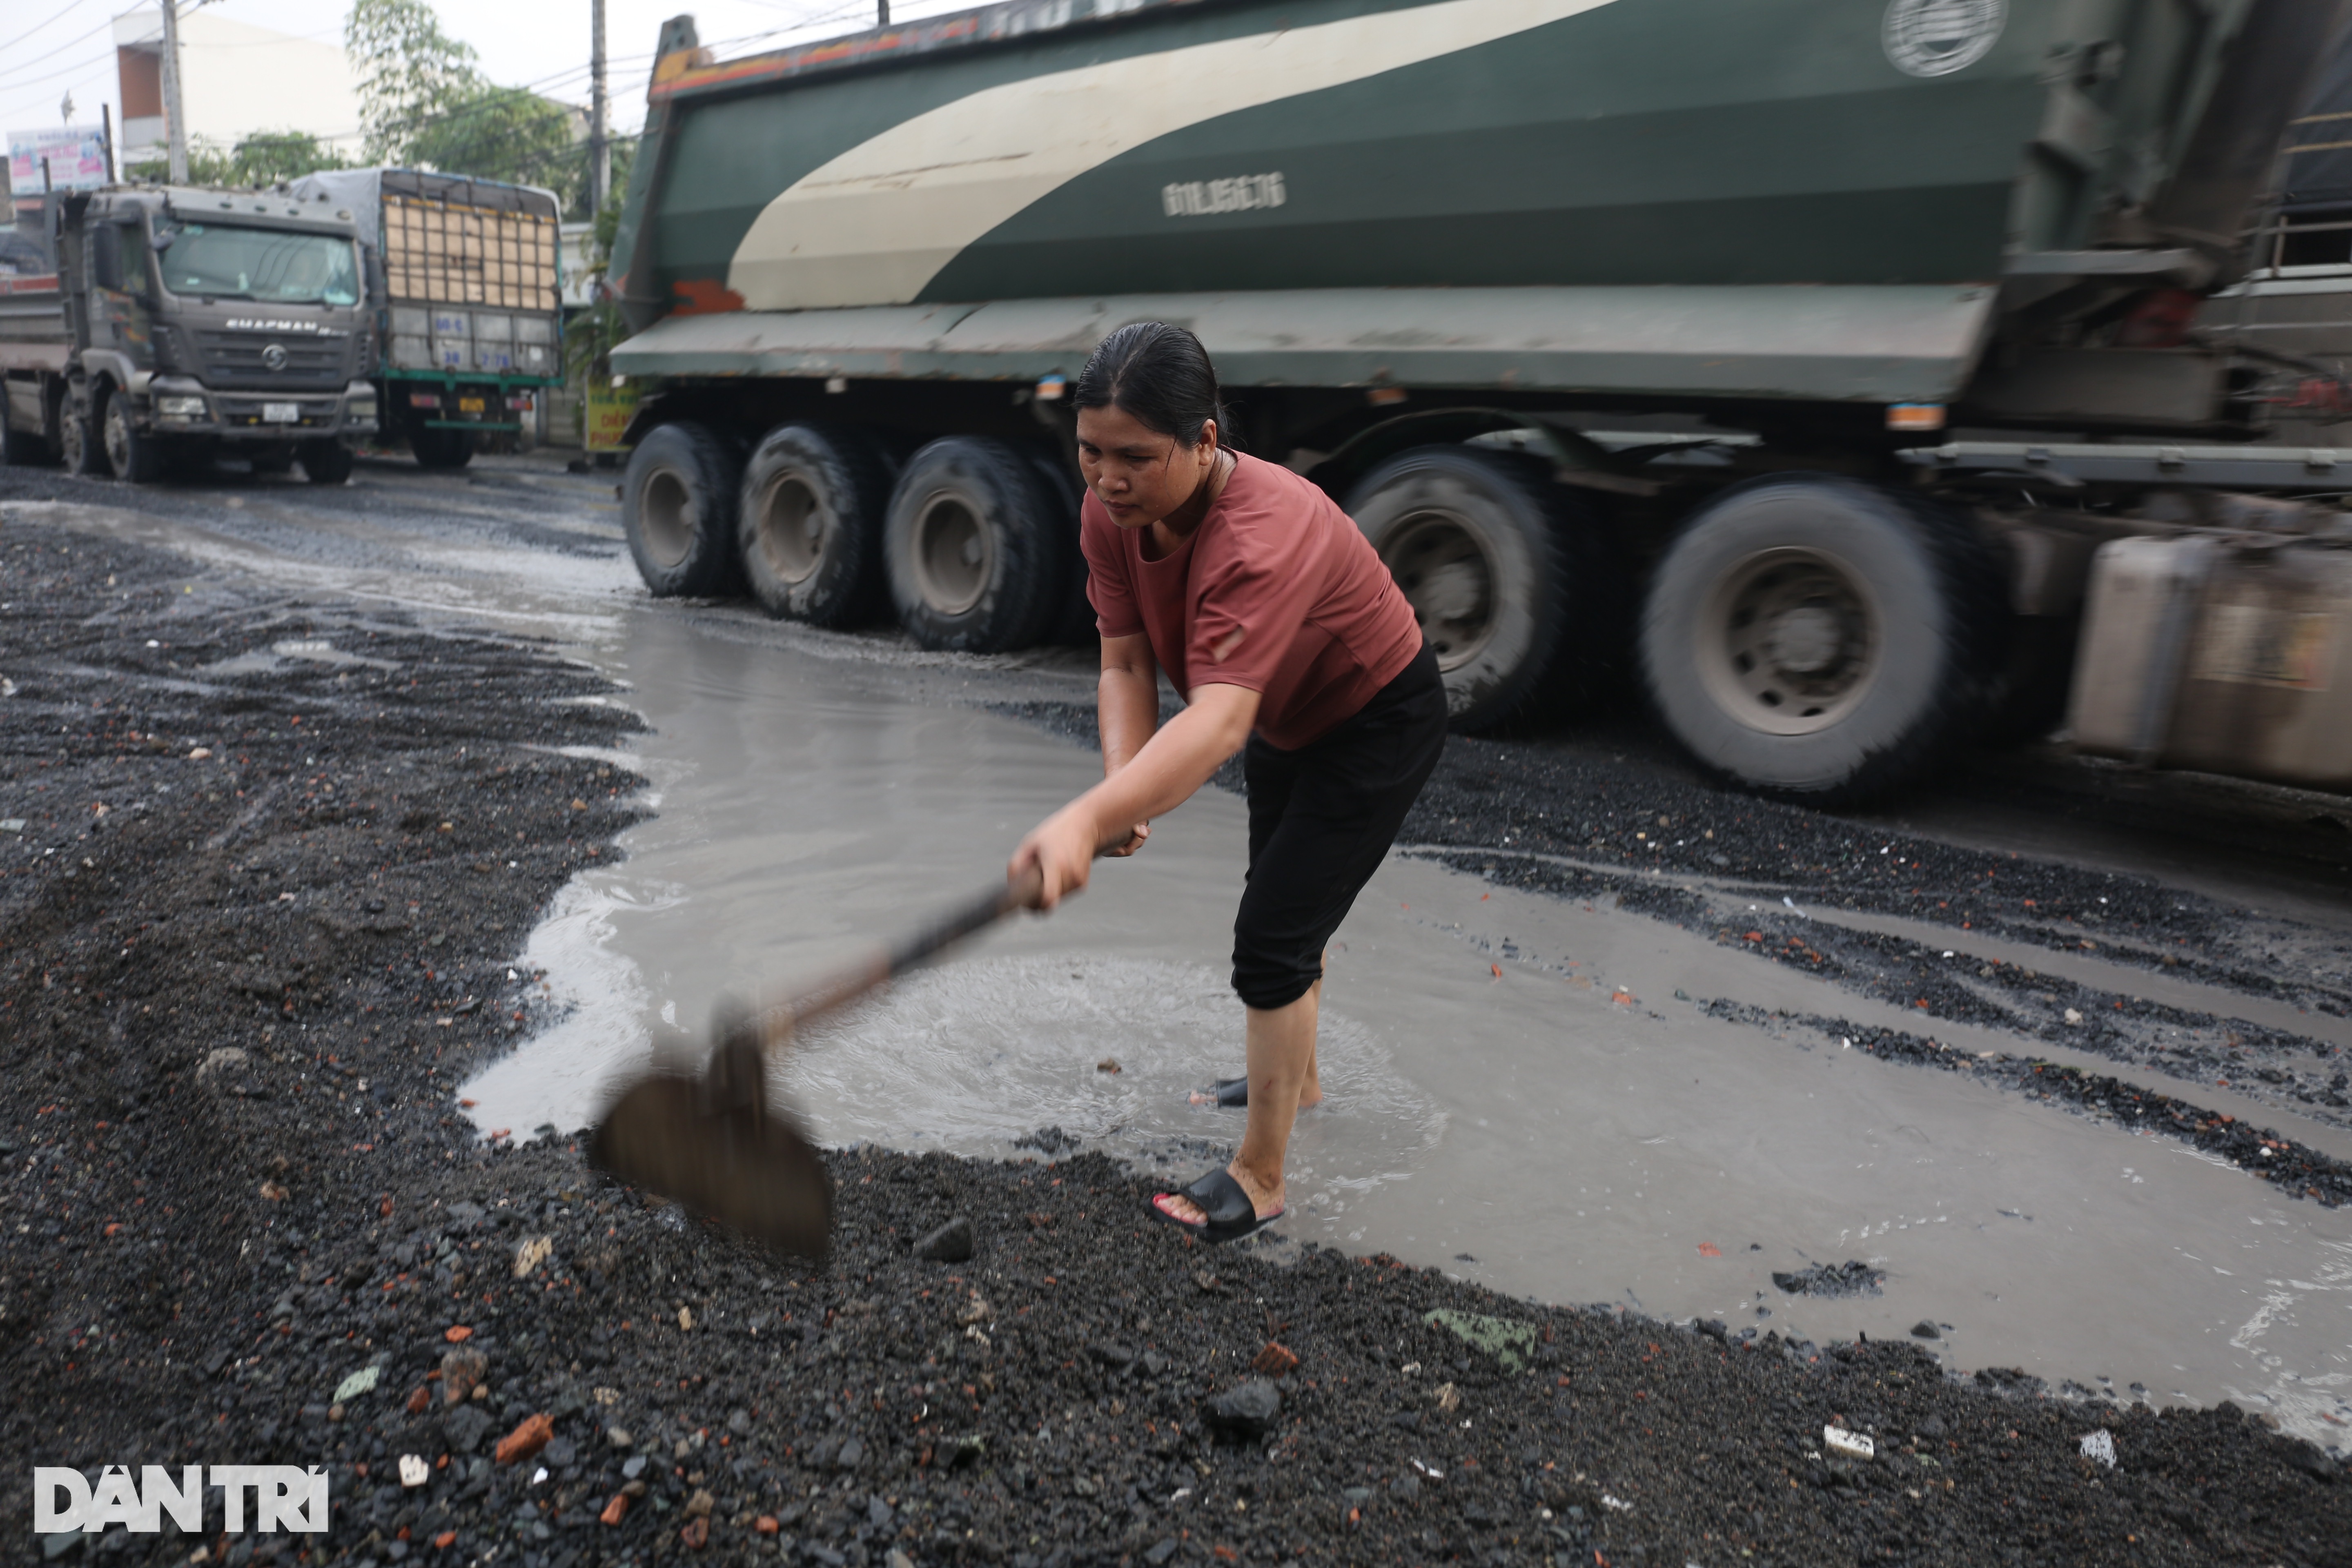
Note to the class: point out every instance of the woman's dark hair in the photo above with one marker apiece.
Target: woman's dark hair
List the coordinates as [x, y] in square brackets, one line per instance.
[1158, 375]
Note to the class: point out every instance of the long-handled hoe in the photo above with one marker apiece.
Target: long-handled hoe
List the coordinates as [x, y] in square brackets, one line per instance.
[714, 1142]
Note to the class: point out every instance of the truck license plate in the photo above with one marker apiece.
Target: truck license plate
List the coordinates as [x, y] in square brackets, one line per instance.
[281, 414]
[469, 405]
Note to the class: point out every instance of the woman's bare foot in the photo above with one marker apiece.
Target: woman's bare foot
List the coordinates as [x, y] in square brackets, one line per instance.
[1267, 1200]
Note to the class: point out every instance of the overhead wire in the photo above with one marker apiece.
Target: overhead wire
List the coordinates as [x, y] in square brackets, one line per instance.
[497, 97]
[60, 16]
[61, 49]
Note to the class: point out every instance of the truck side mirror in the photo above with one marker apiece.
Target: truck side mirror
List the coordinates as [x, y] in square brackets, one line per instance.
[106, 257]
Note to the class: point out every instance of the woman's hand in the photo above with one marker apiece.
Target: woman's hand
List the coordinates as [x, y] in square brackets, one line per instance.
[1061, 849]
[1114, 816]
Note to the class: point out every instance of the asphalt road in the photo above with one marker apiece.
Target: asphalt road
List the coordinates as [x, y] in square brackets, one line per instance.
[2052, 1054]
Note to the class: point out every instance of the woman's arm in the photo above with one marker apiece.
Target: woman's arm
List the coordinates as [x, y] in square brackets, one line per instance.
[1127, 703]
[1128, 698]
[1162, 775]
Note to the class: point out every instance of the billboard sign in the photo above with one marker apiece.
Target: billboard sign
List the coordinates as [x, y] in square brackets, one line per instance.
[77, 155]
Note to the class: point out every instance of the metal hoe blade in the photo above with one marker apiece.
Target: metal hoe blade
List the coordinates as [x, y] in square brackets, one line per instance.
[714, 1145]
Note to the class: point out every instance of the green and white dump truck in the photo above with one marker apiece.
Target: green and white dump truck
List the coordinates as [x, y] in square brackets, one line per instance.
[467, 288]
[1833, 368]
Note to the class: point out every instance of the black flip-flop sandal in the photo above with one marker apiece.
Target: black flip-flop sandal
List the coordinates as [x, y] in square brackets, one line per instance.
[1231, 1214]
[1232, 1093]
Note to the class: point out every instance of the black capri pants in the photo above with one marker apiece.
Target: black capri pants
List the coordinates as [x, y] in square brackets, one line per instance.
[1321, 818]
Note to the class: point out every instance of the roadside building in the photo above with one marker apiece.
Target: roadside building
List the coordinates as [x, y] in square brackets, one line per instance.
[235, 79]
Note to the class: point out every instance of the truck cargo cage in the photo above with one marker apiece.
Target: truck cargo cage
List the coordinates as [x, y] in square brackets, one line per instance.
[462, 255]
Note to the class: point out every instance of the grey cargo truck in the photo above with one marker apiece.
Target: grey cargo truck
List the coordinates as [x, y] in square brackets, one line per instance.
[469, 308]
[161, 325]
[1831, 368]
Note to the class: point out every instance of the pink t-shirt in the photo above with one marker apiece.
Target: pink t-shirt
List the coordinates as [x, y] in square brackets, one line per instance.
[1322, 625]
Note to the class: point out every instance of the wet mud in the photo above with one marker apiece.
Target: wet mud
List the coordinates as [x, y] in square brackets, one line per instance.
[1848, 1278]
[2298, 1170]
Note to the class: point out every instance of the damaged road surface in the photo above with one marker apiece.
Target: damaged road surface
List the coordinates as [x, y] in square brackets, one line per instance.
[350, 838]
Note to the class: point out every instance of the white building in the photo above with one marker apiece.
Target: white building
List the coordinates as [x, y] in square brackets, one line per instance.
[234, 79]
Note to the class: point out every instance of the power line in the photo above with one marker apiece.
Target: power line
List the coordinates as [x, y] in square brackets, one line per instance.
[60, 16]
[49, 86]
[61, 49]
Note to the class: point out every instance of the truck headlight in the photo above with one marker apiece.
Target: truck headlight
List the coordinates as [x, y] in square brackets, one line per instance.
[180, 407]
[361, 408]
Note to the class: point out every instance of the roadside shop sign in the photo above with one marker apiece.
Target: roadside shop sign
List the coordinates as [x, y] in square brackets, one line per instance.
[77, 155]
[610, 409]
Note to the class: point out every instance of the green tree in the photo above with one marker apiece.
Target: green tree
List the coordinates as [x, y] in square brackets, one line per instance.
[424, 103]
[412, 72]
[263, 158]
[504, 134]
[589, 336]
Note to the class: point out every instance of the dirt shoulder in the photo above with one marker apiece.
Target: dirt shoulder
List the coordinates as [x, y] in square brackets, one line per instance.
[237, 989]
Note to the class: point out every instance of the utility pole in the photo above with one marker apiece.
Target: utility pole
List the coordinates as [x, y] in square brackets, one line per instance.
[174, 122]
[881, 13]
[600, 149]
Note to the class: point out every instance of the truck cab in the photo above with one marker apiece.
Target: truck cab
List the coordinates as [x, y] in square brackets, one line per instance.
[201, 322]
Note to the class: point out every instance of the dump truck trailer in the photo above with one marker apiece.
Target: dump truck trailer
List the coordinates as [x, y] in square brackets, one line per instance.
[167, 324]
[1817, 364]
[466, 291]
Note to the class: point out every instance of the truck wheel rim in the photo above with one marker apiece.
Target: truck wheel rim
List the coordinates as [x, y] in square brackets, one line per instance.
[118, 438]
[1446, 573]
[952, 555]
[664, 510]
[790, 529]
[1790, 641]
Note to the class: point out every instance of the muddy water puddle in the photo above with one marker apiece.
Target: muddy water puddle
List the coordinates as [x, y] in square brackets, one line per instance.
[1566, 1128]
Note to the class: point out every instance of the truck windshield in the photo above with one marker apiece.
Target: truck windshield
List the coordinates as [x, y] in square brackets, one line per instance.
[261, 264]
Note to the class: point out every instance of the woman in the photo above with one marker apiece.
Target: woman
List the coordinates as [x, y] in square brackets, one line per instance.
[1279, 625]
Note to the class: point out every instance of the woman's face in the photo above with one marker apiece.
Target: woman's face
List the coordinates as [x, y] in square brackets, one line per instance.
[1139, 475]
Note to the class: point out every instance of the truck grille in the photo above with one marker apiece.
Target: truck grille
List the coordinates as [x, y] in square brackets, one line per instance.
[236, 360]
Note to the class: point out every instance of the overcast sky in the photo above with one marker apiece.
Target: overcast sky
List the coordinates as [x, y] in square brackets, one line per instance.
[48, 47]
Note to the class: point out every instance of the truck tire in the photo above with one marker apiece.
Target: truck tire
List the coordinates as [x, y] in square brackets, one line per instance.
[439, 448]
[326, 462]
[134, 456]
[1073, 623]
[679, 505]
[77, 448]
[1813, 638]
[970, 547]
[814, 497]
[1511, 580]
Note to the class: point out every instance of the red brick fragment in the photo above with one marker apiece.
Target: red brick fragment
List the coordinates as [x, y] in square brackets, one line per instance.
[526, 1439]
[1275, 1359]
